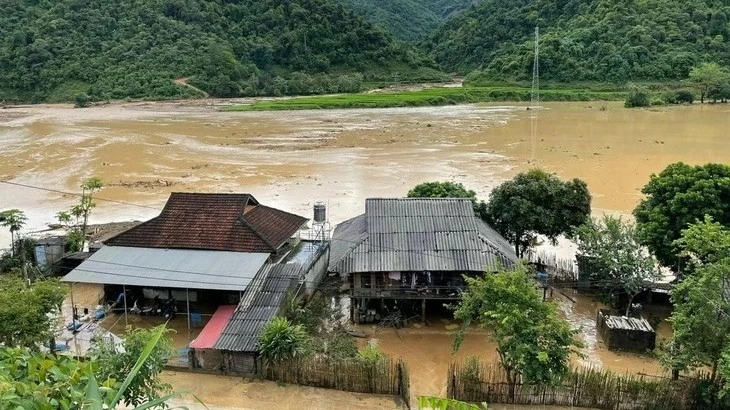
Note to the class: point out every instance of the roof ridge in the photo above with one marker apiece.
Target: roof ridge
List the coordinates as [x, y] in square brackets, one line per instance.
[242, 218]
[419, 199]
[134, 228]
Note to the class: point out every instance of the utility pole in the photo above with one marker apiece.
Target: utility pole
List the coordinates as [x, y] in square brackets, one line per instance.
[535, 97]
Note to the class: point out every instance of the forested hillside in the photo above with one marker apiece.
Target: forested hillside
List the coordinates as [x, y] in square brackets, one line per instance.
[585, 40]
[53, 49]
[408, 19]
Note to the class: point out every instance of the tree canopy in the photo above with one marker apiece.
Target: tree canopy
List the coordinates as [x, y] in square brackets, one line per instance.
[113, 365]
[675, 198]
[595, 40]
[537, 203]
[701, 315]
[56, 50]
[533, 342]
[614, 258]
[24, 311]
[449, 189]
[407, 19]
[14, 220]
[708, 77]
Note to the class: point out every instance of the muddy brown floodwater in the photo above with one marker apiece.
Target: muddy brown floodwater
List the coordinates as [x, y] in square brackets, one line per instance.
[291, 159]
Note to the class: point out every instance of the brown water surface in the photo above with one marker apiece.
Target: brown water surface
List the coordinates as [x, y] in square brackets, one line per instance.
[291, 159]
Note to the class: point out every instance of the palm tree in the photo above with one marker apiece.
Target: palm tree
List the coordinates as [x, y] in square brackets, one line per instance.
[14, 220]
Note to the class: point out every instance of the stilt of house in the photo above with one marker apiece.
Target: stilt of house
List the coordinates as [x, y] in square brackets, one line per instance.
[423, 310]
[124, 292]
[187, 300]
[73, 321]
[353, 301]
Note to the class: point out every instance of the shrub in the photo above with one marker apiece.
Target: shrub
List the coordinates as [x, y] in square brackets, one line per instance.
[679, 97]
[281, 340]
[371, 354]
[657, 101]
[81, 100]
[638, 97]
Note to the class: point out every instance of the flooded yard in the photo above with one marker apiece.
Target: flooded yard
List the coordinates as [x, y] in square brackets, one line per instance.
[427, 350]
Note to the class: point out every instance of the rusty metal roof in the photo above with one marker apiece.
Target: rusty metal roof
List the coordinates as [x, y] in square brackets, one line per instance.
[228, 222]
[628, 323]
[261, 302]
[417, 234]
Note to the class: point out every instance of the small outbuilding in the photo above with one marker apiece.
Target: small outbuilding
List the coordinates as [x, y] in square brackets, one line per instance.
[625, 333]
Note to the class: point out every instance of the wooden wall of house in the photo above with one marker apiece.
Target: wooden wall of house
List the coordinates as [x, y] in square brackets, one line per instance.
[241, 362]
[207, 359]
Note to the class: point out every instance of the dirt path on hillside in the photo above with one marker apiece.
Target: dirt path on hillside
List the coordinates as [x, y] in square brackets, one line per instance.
[184, 82]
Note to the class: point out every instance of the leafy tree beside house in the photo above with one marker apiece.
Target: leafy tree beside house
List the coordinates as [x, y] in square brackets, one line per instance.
[537, 203]
[675, 198]
[616, 260]
[533, 342]
[114, 365]
[24, 311]
[701, 315]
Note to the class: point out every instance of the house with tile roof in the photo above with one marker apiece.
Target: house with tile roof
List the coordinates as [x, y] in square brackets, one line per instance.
[208, 252]
[215, 222]
[404, 252]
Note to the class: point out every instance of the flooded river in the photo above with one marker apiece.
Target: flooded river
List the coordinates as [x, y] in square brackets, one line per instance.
[144, 151]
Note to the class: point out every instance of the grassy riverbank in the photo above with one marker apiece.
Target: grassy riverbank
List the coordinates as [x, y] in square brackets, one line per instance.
[427, 97]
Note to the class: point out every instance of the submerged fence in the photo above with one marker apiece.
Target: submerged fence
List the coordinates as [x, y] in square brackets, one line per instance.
[386, 376]
[477, 382]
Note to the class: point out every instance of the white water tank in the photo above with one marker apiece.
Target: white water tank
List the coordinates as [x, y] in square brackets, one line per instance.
[320, 212]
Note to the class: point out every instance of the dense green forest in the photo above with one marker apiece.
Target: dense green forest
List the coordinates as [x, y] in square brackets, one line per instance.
[408, 19]
[53, 50]
[584, 40]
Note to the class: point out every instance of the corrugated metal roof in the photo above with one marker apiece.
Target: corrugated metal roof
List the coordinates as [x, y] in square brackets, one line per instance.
[417, 234]
[355, 230]
[170, 268]
[628, 323]
[259, 305]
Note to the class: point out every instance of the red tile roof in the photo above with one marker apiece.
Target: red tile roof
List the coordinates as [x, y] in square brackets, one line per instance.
[227, 222]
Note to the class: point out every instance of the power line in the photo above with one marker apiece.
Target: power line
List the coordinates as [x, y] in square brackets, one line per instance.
[78, 195]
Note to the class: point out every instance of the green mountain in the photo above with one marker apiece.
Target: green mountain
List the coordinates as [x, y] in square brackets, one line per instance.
[584, 40]
[54, 49]
[407, 19]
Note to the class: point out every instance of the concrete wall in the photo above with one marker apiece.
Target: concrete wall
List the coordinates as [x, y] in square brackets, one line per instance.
[316, 270]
